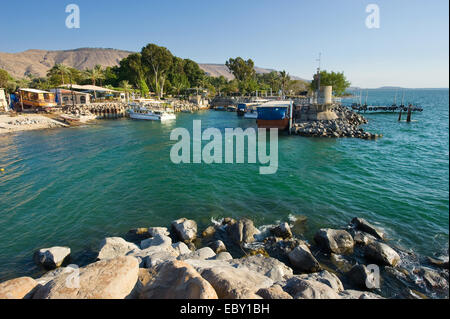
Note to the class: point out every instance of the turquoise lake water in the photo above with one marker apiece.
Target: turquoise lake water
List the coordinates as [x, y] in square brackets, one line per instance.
[73, 187]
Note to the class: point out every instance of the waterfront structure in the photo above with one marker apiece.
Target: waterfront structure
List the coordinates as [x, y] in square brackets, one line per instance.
[36, 99]
[69, 97]
[98, 93]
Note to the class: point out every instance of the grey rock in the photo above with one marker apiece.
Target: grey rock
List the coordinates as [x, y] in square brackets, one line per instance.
[340, 262]
[283, 231]
[362, 278]
[365, 226]
[326, 278]
[202, 253]
[274, 292]
[354, 294]
[51, 258]
[185, 229]
[267, 266]
[218, 246]
[181, 248]
[223, 256]
[309, 289]
[302, 259]
[242, 231]
[363, 239]
[382, 254]
[335, 240]
[114, 247]
[154, 231]
[157, 240]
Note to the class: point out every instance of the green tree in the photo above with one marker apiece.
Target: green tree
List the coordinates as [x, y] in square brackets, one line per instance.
[336, 79]
[193, 72]
[4, 78]
[59, 74]
[158, 61]
[241, 69]
[284, 81]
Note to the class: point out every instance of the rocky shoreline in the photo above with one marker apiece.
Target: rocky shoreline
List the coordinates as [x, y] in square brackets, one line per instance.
[232, 259]
[346, 125]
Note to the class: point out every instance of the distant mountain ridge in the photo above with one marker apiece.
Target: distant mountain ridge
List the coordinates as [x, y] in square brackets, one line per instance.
[38, 62]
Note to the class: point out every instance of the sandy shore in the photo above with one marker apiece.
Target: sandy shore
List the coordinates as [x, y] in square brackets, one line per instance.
[10, 124]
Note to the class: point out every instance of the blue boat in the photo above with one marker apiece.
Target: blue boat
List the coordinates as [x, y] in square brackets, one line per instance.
[276, 114]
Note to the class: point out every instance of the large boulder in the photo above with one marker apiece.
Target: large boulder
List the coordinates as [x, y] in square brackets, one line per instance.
[282, 231]
[177, 280]
[243, 231]
[267, 266]
[382, 254]
[185, 229]
[114, 247]
[51, 258]
[309, 289]
[363, 239]
[274, 292]
[19, 288]
[326, 278]
[363, 225]
[236, 283]
[335, 240]
[202, 253]
[157, 240]
[362, 277]
[105, 279]
[433, 279]
[302, 259]
[154, 255]
[137, 234]
[340, 262]
[181, 248]
[154, 231]
[223, 256]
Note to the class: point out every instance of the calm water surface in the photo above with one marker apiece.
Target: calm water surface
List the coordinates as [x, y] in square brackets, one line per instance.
[75, 186]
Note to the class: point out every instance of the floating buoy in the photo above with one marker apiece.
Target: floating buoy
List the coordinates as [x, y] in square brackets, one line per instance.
[2, 169]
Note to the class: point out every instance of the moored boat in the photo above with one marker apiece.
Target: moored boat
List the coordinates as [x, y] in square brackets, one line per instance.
[241, 109]
[149, 115]
[274, 114]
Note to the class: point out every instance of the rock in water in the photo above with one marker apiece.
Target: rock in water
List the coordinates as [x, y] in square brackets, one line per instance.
[19, 288]
[242, 231]
[363, 238]
[365, 226]
[177, 280]
[326, 278]
[209, 232]
[233, 283]
[185, 229]
[335, 240]
[51, 258]
[362, 277]
[302, 259]
[354, 294]
[114, 247]
[274, 292]
[283, 231]
[105, 279]
[382, 254]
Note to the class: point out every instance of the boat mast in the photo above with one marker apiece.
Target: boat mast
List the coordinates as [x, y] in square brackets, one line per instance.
[318, 77]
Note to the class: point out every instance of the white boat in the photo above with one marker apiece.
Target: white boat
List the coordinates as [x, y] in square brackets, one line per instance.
[251, 114]
[149, 115]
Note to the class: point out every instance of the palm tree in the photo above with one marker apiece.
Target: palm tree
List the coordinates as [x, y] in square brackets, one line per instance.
[94, 74]
[59, 69]
[284, 79]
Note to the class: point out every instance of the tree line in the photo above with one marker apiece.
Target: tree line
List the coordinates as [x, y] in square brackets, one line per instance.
[155, 69]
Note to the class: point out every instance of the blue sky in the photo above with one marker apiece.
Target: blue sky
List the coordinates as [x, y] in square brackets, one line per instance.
[410, 49]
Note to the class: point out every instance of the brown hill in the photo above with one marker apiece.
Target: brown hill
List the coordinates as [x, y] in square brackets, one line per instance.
[38, 62]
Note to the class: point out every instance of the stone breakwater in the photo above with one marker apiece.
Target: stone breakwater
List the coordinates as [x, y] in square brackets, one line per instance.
[346, 125]
[232, 259]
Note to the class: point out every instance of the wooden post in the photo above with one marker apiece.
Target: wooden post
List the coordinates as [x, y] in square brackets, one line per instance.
[400, 115]
[408, 119]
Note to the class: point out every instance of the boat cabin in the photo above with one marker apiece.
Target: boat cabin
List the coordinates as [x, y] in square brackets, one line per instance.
[36, 99]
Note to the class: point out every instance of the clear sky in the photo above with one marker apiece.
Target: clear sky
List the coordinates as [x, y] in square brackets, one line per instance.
[410, 49]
